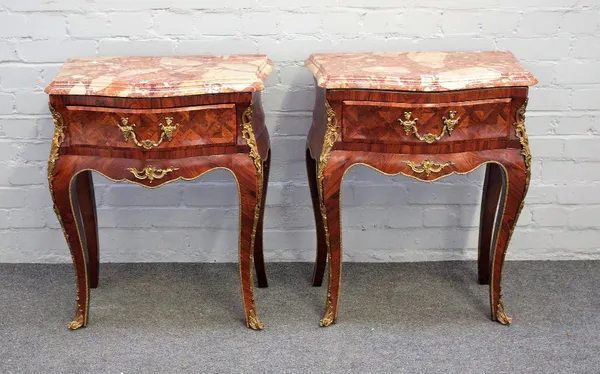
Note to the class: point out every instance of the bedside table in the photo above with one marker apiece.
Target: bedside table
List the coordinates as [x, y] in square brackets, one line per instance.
[152, 121]
[425, 115]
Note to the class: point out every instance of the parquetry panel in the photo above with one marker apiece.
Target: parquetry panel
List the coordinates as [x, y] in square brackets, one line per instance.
[378, 122]
[200, 125]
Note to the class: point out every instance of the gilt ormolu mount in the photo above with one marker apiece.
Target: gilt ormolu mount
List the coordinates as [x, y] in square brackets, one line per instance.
[152, 121]
[425, 115]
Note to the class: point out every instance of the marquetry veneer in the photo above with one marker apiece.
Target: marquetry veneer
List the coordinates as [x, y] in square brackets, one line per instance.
[426, 116]
[151, 121]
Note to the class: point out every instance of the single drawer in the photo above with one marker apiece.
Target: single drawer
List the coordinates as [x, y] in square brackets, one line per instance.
[395, 123]
[151, 129]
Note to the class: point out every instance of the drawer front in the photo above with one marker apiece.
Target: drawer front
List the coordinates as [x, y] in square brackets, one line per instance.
[152, 129]
[394, 123]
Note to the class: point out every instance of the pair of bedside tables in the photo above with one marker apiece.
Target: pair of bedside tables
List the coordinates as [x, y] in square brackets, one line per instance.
[156, 120]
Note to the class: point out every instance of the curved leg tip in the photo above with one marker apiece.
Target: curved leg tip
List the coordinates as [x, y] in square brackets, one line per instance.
[255, 325]
[326, 322]
[317, 278]
[261, 273]
[317, 281]
[328, 319]
[501, 315]
[76, 323]
[253, 322]
[504, 320]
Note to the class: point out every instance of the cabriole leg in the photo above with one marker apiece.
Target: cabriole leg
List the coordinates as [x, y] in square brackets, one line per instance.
[249, 180]
[259, 259]
[516, 180]
[87, 204]
[64, 195]
[492, 186]
[330, 212]
[321, 258]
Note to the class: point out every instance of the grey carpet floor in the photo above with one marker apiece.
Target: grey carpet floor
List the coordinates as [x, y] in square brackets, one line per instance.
[394, 318]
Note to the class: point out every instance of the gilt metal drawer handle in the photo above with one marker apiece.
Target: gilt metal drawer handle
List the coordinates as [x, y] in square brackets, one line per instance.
[129, 132]
[428, 166]
[151, 173]
[410, 125]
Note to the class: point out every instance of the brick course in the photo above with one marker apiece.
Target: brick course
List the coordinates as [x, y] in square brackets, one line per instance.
[385, 218]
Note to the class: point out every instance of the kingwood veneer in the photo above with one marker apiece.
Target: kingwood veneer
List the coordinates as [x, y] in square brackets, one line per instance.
[426, 116]
[151, 121]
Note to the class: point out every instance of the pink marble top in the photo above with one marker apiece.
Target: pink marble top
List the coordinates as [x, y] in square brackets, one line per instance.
[161, 76]
[418, 71]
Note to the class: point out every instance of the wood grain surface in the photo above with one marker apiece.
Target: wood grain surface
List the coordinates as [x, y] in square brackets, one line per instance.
[87, 139]
[369, 134]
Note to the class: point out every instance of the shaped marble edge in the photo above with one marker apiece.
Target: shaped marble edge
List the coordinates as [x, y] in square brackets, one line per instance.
[161, 76]
[419, 71]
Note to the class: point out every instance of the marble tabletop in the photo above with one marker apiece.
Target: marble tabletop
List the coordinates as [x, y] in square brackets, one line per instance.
[161, 76]
[418, 71]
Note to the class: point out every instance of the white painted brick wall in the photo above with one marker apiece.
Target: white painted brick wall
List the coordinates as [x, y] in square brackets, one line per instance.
[385, 218]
